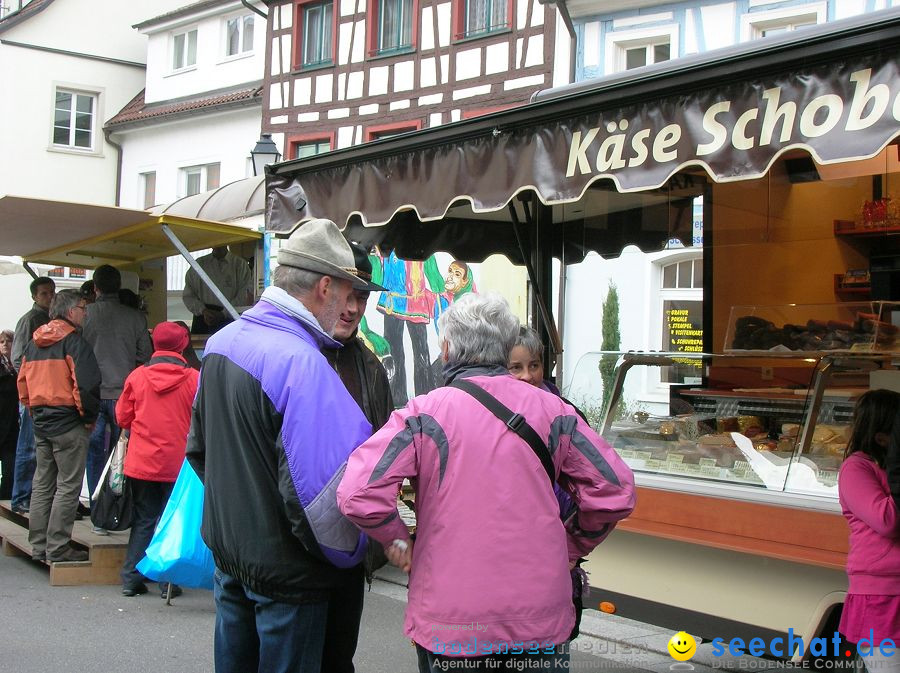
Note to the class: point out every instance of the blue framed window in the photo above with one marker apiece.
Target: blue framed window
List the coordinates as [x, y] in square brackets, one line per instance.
[317, 26]
[485, 16]
[395, 25]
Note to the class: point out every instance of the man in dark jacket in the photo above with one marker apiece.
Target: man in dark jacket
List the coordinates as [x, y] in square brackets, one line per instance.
[43, 290]
[271, 426]
[59, 381]
[365, 379]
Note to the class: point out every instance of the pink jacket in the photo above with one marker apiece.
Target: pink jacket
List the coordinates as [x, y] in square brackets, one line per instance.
[490, 562]
[873, 562]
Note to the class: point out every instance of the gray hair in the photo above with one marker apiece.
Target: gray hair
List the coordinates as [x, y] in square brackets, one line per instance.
[530, 340]
[63, 302]
[295, 281]
[480, 329]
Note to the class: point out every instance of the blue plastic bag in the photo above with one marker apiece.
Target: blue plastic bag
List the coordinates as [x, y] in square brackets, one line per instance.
[177, 553]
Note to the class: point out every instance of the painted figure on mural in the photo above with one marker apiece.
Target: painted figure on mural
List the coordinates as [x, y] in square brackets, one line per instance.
[409, 300]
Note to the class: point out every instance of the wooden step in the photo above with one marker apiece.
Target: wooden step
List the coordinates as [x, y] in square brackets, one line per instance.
[106, 553]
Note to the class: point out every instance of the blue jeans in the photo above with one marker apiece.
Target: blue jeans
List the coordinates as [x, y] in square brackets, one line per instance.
[255, 633]
[23, 472]
[101, 446]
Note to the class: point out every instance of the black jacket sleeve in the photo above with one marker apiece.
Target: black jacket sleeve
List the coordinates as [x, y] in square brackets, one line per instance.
[86, 378]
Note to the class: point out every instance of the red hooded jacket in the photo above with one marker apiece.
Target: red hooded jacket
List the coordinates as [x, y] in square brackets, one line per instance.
[156, 406]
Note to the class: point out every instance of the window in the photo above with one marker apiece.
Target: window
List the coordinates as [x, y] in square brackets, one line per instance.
[778, 21]
[239, 35]
[635, 57]
[196, 179]
[184, 50]
[315, 48]
[302, 146]
[392, 29]
[148, 187]
[479, 17]
[387, 130]
[73, 119]
[681, 300]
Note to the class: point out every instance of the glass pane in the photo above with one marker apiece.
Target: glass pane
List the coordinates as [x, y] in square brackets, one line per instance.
[311, 33]
[192, 48]
[498, 14]
[193, 183]
[82, 138]
[178, 55]
[84, 104]
[61, 117]
[212, 176]
[232, 37]
[248, 33]
[774, 31]
[669, 276]
[149, 189]
[685, 273]
[476, 16]
[698, 273]
[390, 22]
[406, 23]
[60, 135]
[325, 52]
[324, 146]
[83, 122]
[660, 53]
[635, 58]
[63, 99]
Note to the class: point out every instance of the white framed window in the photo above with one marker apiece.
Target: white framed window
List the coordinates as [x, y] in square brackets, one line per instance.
[148, 189]
[774, 22]
[239, 35]
[74, 119]
[678, 316]
[184, 50]
[628, 49]
[196, 179]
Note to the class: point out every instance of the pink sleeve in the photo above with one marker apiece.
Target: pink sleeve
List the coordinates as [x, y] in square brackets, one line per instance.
[862, 493]
[368, 491]
[601, 484]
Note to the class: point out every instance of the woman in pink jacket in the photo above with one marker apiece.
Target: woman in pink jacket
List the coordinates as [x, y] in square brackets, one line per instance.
[872, 608]
[155, 406]
[489, 575]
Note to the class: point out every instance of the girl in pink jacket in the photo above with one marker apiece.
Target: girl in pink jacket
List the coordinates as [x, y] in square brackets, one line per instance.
[489, 571]
[872, 609]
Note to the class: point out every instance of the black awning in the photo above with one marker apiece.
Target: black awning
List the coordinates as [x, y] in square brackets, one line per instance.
[832, 92]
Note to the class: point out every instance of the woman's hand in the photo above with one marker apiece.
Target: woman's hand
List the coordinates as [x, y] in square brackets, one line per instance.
[399, 553]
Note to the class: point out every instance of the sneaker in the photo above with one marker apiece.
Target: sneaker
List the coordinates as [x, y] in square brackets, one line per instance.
[20, 510]
[96, 530]
[69, 555]
[40, 556]
[134, 589]
[164, 591]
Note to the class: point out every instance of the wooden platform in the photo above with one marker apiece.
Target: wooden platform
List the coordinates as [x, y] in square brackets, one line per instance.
[106, 552]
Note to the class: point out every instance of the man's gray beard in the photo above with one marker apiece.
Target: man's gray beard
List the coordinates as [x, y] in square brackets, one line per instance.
[331, 313]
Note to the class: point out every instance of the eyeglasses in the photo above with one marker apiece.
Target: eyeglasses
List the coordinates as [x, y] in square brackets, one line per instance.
[83, 307]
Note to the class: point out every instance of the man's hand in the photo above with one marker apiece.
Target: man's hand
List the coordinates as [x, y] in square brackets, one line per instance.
[212, 318]
[399, 553]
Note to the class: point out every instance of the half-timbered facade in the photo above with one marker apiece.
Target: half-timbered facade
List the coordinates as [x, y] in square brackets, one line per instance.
[342, 72]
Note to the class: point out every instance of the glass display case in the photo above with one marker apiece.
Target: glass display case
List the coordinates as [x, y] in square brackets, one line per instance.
[773, 422]
[870, 326]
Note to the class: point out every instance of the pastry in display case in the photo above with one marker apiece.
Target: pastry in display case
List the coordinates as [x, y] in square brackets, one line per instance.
[787, 433]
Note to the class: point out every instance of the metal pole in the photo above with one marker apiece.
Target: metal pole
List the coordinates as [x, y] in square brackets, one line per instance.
[30, 271]
[199, 270]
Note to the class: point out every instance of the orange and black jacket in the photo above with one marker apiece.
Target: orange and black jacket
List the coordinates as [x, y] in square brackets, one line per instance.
[59, 379]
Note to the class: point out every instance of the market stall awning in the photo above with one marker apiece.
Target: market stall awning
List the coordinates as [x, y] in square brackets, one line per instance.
[830, 92]
[231, 202]
[86, 236]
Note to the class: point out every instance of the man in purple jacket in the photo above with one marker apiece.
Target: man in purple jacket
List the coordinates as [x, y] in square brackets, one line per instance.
[272, 425]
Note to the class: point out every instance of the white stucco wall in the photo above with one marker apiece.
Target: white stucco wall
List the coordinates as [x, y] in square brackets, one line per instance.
[213, 69]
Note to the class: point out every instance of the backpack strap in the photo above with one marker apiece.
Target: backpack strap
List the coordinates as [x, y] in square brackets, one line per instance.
[513, 421]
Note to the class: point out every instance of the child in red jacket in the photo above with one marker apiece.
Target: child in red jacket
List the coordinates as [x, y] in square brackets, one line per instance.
[872, 608]
[155, 406]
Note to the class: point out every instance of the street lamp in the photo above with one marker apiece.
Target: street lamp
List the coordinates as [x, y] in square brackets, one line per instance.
[265, 153]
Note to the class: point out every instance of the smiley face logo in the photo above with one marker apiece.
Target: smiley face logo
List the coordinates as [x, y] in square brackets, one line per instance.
[682, 646]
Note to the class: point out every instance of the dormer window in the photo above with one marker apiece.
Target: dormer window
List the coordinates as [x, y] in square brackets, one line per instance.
[239, 35]
[184, 50]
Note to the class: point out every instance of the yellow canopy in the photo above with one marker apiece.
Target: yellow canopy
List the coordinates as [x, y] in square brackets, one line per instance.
[86, 236]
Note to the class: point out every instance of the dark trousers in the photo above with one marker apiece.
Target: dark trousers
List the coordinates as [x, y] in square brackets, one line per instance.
[423, 381]
[101, 444]
[437, 663]
[8, 458]
[255, 633]
[23, 470]
[149, 499]
[345, 606]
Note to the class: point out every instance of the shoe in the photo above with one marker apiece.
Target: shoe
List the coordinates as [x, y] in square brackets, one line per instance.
[20, 510]
[96, 530]
[134, 589]
[69, 555]
[78, 515]
[40, 556]
[84, 511]
[164, 591]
